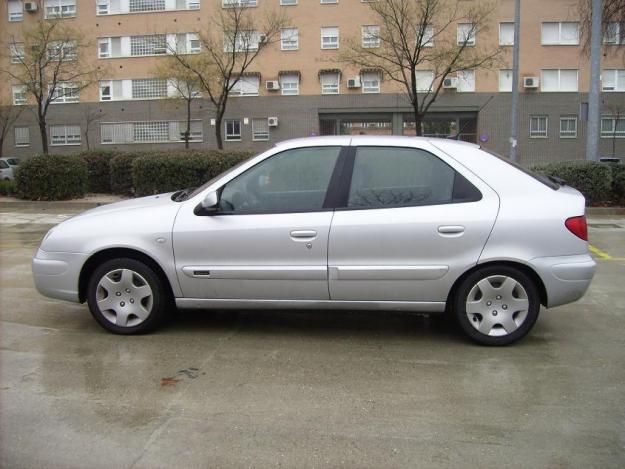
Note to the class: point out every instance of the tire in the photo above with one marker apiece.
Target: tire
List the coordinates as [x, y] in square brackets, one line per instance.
[125, 296]
[497, 305]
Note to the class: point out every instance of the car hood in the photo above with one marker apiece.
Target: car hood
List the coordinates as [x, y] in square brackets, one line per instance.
[129, 205]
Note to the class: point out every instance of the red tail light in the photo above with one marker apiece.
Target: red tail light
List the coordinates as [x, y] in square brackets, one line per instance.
[577, 226]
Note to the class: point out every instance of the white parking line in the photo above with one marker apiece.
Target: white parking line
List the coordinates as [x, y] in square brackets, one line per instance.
[16, 218]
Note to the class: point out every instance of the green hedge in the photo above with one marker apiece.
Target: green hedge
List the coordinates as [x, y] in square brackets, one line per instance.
[98, 169]
[601, 183]
[164, 172]
[121, 173]
[7, 187]
[57, 177]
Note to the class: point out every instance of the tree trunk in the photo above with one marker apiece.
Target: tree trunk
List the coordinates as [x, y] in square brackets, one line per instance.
[418, 123]
[187, 132]
[1, 146]
[220, 144]
[44, 135]
[87, 137]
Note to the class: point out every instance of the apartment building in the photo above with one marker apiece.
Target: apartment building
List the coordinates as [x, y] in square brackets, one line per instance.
[297, 87]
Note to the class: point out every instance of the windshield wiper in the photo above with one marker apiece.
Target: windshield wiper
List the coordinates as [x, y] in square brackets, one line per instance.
[181, 196]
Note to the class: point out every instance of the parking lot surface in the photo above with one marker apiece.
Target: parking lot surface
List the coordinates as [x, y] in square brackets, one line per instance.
[306, 389]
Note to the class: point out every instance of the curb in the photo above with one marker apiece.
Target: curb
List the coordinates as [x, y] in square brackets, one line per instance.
[604, 211]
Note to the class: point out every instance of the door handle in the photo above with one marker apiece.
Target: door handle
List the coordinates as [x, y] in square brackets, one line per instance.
[303, 234]
[451, 229]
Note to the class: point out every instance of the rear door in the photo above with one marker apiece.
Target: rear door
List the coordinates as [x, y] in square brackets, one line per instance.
[413, 220]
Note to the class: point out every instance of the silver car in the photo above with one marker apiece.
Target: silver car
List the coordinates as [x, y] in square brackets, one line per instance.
[378, 223]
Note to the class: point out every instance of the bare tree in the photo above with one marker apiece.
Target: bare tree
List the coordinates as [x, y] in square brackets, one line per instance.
[231, 42]
[48, 64]
[91, 115]
[418, 44]
[612, 23]
[186, 86]
[8, 115]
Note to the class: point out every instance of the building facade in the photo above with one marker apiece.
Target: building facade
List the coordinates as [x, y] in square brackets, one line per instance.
[299, 87]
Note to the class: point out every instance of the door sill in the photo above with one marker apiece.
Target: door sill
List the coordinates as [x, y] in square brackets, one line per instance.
[206, 303]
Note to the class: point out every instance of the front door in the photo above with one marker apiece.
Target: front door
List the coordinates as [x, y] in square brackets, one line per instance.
[410, 226]
[269, 238]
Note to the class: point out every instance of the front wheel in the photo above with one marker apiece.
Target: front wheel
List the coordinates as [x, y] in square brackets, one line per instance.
[126, 296]
[497, 305]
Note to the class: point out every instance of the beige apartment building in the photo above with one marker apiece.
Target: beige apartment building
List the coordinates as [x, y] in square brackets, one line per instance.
[299, 88]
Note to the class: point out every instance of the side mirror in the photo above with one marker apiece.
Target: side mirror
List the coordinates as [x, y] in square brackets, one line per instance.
[209, 205]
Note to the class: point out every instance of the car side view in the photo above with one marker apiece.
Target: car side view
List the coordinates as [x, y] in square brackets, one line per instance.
[381, 223]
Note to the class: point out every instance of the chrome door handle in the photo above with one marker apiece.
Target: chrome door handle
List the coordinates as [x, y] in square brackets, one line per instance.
[451, 229]
[304, 234]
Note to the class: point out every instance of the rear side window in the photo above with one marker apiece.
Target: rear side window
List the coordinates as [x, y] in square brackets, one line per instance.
[386, 177]
[538, 176]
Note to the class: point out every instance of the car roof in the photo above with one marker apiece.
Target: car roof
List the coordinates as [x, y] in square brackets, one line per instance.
[353, 140]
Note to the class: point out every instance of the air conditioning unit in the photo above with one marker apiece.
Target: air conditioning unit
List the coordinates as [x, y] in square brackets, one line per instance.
[30, 7]
[272, 121]
[353, 82]
[272, 85]
[450, 83]
[530, 82]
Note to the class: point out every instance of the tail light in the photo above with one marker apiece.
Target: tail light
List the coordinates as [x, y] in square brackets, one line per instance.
[577, 226]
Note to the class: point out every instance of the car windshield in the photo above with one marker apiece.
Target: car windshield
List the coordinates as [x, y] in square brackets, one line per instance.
[549, 181]
[188, 193]
[14, 161]
[3, 164]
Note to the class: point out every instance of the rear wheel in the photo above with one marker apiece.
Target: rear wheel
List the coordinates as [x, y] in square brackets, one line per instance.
[126, 296]
[497, 305]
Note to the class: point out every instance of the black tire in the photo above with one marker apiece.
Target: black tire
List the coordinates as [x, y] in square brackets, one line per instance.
[159, 302]
[462, 293]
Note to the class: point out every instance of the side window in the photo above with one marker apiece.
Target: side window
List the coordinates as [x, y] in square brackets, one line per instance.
[386, 177]
[292, 181]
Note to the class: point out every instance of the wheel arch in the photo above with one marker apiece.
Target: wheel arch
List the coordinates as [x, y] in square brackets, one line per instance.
[99, 257]
[531, 273]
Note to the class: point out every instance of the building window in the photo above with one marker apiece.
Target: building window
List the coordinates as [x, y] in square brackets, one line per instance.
[466, 81]
[64, 135]
[428, 36]
[329, 1]
[106, 91]
[62, 51]
[370, 36]
[103, 7]
[568, 127]
[193, 43]
[260, 129]
[233, 130]
[289, 39]
[288, 2]
[289, 84]
[614, 33]
[238, 3]
[65, 92]
[16, 10]
[22, 136]
[149, 132]
[371, 82]
[19, 95]
[505, 81]
[466, 33]
[241, 41]
[613, 127]
[60, 8]
[245, 86]
[146, 5]
[424, 79]
[330, 82]
[330, 37]
[17, 52]
[153, 44]
[563, 34]
[506, 34]
[538, 127]
[149, 88]
[104, 48]
[558, 80]
[613, 80]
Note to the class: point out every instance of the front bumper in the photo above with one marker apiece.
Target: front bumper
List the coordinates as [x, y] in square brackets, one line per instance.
[56, 274]
[566, 278]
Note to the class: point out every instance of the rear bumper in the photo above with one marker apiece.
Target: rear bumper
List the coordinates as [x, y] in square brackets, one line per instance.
[56, 274]
[566, 278]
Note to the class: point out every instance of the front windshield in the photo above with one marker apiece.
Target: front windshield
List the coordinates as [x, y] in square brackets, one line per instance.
[14, 161]
[197, 190]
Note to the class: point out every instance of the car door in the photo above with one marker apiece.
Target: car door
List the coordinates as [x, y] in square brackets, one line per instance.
[268, 239]
[412, 221]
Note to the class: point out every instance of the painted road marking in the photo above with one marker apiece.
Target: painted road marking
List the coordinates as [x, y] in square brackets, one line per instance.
[599, 253]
